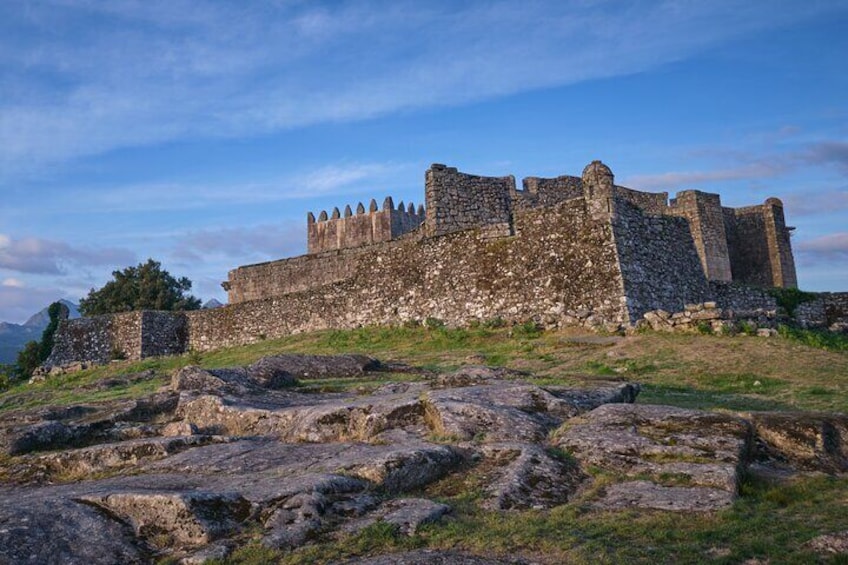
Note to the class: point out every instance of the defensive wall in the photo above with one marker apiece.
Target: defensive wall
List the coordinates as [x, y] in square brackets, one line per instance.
[561, 251]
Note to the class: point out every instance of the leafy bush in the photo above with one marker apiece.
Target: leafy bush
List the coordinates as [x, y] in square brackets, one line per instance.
[434, 323]
[790, 298]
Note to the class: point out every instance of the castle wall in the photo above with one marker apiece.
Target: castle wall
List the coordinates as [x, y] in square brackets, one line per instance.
[547, 191]
[162, 333]
[98, 339]
[706, 224]
[759, 246]
[779, 246]
[459, 201]
[561, 270]
[749, 253]
[653, 202]
[659, 263]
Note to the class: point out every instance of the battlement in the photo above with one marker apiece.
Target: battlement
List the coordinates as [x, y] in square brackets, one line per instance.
[362, 228]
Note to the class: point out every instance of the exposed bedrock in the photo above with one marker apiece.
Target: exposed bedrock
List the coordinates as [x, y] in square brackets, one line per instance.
[227, 455]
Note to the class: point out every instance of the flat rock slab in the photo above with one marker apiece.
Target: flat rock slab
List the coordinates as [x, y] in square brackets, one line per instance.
[807, 441]
[645, 494]
[675, 447]
[60, 531]
[404, 514]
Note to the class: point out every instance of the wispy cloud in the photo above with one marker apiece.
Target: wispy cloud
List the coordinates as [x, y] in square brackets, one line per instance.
[829, 152]
[82, 78]
[44, 256]
[813, 203]
[831, 247]
[266, 241]
[18, 303]
[690, 179]
[334, 179]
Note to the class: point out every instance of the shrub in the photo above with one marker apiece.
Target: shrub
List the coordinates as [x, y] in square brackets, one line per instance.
[790, 298]
[434, 323]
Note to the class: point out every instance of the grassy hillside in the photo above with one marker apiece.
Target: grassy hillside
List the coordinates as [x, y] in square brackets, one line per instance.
[770, 523]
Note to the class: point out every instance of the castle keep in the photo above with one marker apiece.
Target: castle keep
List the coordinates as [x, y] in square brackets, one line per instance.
[560, 251]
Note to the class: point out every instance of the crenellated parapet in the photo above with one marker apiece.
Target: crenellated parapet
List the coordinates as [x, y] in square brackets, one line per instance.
[345, 230]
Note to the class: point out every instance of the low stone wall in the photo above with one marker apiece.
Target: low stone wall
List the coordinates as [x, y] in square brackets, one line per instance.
[708, 317]
[828, 310]
[98, 339]
[742, 298]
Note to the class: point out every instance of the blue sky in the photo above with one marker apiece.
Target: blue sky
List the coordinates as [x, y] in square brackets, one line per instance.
[200, 133]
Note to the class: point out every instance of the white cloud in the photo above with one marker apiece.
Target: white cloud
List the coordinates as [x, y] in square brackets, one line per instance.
[335, 179]
[831, 247]
[691, 179]
[82, 78]
[12, 282]
[46, 256]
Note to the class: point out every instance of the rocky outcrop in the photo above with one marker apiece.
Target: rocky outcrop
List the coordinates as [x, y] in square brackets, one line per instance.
[693, 457]
[227, 454]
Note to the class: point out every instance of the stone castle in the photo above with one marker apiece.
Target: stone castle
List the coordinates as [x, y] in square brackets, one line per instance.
[562, 251]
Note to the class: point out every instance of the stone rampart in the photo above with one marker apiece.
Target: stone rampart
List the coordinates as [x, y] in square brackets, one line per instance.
[659, 262]
[459, 201]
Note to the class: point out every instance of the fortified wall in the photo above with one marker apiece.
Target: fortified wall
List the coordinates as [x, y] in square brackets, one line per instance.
[559, 251]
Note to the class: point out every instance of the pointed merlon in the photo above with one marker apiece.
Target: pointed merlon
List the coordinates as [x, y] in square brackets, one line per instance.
[310, 218]
[373, 206]
[401, 206]
[388, 203]
[322, 217]
[360, 209]
[421, 210]
[410, 209]
[348, 212]
[336, 214]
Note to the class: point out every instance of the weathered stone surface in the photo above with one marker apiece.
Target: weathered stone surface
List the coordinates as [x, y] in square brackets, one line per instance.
[59, 531]
[807, 441]
[671, 445]
[506, 411]
[97, 458]
[81, 425]
[187, 519]
[302, 366]
[830, 544]
[405, 514]
[645, 494]
[527, 476]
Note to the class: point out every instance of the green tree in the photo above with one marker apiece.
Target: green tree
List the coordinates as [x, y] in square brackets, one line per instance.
[29, 358]
[36, 353]
[57, 311]
[144, 287]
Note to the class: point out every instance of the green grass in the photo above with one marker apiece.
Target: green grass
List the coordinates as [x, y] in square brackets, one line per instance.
[796, 371]
[769, 523]
[800, 370]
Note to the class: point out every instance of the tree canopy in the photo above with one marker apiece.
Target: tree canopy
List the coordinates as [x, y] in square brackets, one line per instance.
[144, 287]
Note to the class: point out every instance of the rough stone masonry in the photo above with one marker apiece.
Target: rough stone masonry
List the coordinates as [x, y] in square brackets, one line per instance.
[561, 251]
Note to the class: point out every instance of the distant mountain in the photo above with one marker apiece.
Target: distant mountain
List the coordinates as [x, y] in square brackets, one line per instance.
[42, 318]
[212, 303]
[13, 337]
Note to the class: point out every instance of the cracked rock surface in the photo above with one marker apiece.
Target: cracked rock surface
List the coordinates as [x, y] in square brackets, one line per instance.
[226, 456]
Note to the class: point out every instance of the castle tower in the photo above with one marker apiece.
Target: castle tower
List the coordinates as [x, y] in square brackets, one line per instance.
[598, 183]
